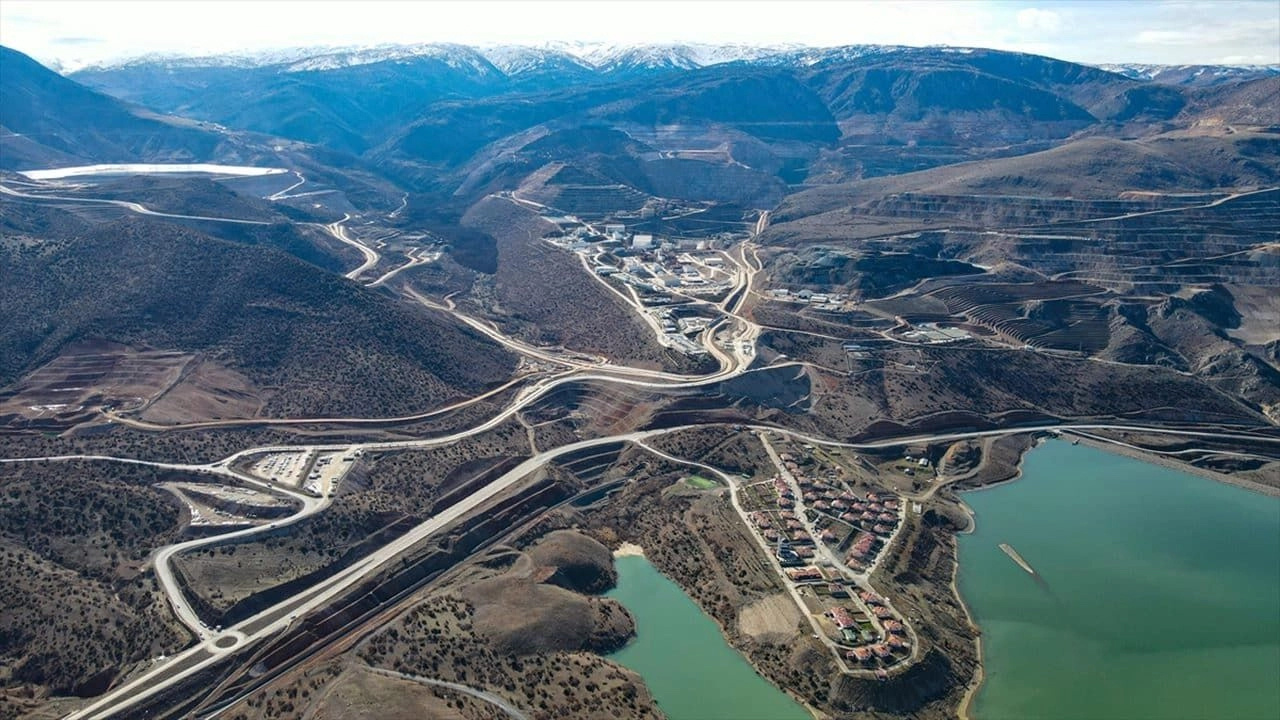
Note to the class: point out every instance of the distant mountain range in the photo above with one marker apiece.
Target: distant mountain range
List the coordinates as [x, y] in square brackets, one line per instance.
[510, 59]
[459, 120]
[609, 58]
[1193, 74]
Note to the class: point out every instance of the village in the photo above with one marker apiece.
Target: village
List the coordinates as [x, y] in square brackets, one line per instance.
[827, 531]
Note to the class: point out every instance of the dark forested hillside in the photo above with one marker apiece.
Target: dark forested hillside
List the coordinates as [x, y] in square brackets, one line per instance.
[50, 119]
[322, 345]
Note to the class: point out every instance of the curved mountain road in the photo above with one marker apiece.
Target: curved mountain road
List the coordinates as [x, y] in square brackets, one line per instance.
[213, 647]
[131, 206]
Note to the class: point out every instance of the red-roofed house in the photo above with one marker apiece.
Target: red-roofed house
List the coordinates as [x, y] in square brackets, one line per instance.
[804, 574]
[841, 617]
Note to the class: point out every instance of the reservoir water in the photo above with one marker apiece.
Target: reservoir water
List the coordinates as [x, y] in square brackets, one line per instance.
[679, 651]
[1158, 593]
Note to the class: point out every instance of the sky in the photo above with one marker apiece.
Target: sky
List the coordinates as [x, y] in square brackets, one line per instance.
[73, 33]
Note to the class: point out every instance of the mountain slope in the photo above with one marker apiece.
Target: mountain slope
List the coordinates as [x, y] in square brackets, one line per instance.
[346, 101]
[426, 109]
[60, 121]
[312, 342]
[1087, 168]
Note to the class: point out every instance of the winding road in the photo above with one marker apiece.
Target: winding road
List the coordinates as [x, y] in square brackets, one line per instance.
[339, 233]
[131, 206]
[214, 646]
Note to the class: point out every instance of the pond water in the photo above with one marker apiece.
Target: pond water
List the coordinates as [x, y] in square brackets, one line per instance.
[679, 651]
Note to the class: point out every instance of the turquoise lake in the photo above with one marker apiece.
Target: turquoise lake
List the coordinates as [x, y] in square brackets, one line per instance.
[1158, 597]
[679, 651]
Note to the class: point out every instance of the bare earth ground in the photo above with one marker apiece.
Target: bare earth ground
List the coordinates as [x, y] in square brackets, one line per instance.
[206, 391]
[1258, 307]
[359, 694]
[94, 374]
[770, 619]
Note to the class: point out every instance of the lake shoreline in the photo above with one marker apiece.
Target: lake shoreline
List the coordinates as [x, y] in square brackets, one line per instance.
[1119, 448]
[965, 709]
[631, 550]
[627, 549]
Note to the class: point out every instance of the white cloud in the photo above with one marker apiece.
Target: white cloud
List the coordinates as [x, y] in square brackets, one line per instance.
[1037, 20]
[1165, 37]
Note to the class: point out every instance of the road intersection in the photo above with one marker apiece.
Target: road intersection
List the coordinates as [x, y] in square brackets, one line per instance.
[213, 646]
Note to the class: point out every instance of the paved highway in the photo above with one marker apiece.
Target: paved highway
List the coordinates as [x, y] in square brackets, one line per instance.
[214, 646]
[394, 420]
[267, 622]
[162, 558]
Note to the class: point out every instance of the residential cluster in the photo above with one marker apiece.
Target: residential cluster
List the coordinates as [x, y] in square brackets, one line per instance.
[826, 537]
[856, 526]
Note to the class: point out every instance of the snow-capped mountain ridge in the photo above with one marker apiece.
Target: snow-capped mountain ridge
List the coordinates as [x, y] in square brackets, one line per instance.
[1190, 74]
[509, 59]
[609, 58]
[459, 57]
[522, 59]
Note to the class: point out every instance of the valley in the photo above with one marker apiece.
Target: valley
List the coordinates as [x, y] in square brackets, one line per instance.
[352, 413]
